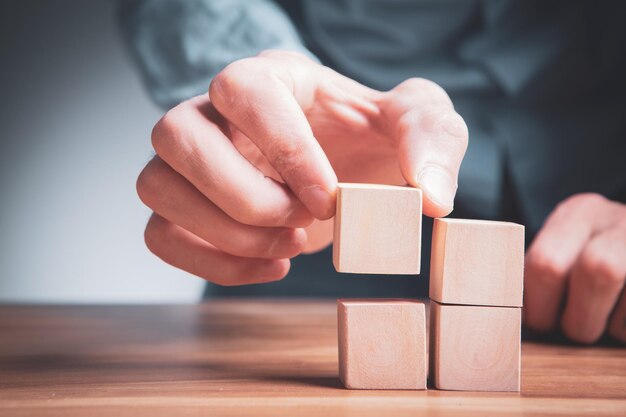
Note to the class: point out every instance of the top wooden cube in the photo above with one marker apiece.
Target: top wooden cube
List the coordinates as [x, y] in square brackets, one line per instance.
[378, 229]
[477, 262]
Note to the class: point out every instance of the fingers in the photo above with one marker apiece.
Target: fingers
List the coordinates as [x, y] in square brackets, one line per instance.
[259, 98]
[174, 198]
[596, 282]
[190, 140]
[552, 255]
[186, 251]
[318, 235]
[432, 140]
[617, 325]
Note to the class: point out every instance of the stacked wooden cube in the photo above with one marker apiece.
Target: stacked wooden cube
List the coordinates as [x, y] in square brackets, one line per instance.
[476, 298]
[475, 290]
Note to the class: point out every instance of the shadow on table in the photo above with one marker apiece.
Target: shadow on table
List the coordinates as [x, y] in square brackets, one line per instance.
[559, 339]
[331, 382]
[74, 367]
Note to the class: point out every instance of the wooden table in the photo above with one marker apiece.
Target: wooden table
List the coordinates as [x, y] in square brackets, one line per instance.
[252, 358]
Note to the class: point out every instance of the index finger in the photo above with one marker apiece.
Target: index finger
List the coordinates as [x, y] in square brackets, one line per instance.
[190, 141]
[258, 97]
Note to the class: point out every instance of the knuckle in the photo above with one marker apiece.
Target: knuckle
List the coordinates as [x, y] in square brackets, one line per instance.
[232, 80]
[454, 125]
[437, 120]
[286, 153]
[222, 85]
[545, 268]
[407, 121]
[151, 187]
[155, 234]
[146, 185]
[167, 132]
[582, 201]
[605, 272]
[588, 198]
[428, 88]
[161, 132]
[286, 157]
[419, 84]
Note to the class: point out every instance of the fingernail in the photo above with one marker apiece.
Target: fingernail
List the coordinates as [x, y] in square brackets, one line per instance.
[319, 201]
[438, 186]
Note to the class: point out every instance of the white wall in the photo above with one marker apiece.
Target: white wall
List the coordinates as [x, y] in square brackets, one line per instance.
[74, 133]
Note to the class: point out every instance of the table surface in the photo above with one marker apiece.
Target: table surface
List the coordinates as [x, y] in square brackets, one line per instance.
[252, 358]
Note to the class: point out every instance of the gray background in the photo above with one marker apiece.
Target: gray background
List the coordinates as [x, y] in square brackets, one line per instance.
[74, 133]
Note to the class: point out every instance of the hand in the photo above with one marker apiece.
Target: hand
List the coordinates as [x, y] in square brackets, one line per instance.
[240, 172]
[578, 260]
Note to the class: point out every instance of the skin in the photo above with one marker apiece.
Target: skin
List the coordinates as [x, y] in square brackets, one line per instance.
[575, 271]
[245, 178]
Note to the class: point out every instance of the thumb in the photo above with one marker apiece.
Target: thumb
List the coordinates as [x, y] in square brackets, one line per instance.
[432, 144]
[432, 139]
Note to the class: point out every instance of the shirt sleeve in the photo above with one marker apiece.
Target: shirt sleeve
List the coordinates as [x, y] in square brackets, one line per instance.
[179, 46]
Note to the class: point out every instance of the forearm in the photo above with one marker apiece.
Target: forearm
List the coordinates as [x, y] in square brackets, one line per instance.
[180, 46]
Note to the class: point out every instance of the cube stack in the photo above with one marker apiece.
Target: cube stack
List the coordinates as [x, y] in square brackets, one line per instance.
[475, 290]
[476, 281]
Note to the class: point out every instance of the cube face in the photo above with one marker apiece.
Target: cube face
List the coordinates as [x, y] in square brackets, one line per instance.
[474, 348]
[477, 262]
[382, 344]
[377, 229]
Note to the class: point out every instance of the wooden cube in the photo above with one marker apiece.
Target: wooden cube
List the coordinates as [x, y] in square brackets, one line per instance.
[477, 262]
[378, 229]
[475, 348]
[382, 344]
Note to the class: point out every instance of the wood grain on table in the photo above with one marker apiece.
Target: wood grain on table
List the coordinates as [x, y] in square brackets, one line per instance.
[252, 358]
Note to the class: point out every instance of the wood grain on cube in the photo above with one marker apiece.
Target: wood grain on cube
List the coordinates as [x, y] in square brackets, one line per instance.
[382, 344]
[475, 348]
[477, 262]
[377, 229]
